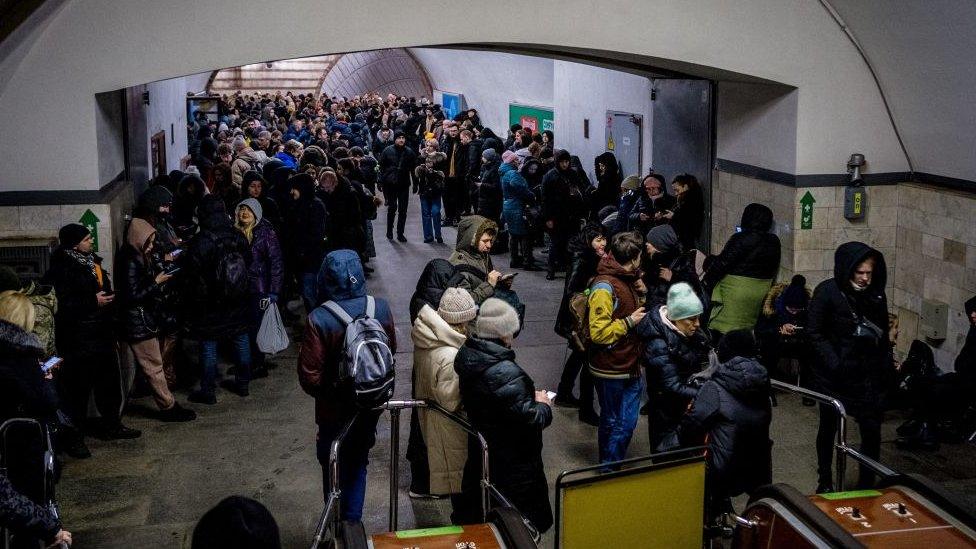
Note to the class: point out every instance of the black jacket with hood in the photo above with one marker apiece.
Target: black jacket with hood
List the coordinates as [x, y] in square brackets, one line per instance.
[607, 190]
[204, 315]
[582, 268]
[305, 227]
[733, 410]
[856, 369]
[561, 199]
[965, 364]
[500, 399]
[754, 252]
[81, 326]
[490, 191]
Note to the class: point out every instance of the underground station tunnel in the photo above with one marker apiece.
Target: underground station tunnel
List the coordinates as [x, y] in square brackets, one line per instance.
[461, 275]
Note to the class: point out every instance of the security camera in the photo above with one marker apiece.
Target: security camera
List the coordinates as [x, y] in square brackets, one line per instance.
[854, 166]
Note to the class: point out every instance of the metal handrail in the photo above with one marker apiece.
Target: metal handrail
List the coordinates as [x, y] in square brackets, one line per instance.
[394, 406]
[843, 450]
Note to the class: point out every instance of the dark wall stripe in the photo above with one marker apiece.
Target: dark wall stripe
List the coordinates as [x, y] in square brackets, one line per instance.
[841, 179]
[47, 198]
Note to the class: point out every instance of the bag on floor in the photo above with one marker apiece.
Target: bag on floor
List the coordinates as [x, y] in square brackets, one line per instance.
[367, 368]
[272, 338]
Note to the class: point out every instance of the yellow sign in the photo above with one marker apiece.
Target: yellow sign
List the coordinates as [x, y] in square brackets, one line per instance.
[610, 144]
[857, 203]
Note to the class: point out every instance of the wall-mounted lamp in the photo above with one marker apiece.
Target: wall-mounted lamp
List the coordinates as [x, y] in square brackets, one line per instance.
[855, 196]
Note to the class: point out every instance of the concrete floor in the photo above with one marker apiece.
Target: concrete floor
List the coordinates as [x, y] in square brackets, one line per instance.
[151, 491]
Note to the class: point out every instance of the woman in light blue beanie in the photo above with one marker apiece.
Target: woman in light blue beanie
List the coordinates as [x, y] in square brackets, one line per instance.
[675, 348]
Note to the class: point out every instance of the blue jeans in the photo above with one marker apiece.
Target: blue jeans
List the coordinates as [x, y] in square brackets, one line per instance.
[430, 216]
[619, 409]
[353, 459]
[208, 359]
[310, 291]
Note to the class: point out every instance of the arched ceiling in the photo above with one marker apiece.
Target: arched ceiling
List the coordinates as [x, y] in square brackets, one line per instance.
[57, 59]
[385, 71]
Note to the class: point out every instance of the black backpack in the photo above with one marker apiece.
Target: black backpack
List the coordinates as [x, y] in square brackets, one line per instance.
[232, 280]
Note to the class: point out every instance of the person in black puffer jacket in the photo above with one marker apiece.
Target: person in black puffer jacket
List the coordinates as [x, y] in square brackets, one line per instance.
[586, 249]
[675, 348]
[489, 191]
[139, 293]
[848, 329]
[503, 406]
[732, 413]
[304, 235]
[213, 309]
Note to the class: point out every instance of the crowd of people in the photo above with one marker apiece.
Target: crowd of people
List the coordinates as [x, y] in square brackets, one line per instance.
[276, 201]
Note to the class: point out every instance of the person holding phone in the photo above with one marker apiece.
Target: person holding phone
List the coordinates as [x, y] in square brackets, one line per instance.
[86, 335]
[140, 293]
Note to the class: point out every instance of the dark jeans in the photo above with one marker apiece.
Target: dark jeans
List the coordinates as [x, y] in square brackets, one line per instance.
[309, 291]
[520, 250]
[208, 360]
[869, 425]
[558, 250]
[95, 370]
[396, 201]
[353, 459]
[620, 401]
[417, 456]
[575, 365]
[430, 216]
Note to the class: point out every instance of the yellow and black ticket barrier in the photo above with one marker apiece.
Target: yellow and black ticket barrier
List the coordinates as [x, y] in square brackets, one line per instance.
[652, 501]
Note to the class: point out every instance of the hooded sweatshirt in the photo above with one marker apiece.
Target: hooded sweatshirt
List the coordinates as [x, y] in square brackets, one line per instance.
[435, 346]
[340, 279]
[855, 368]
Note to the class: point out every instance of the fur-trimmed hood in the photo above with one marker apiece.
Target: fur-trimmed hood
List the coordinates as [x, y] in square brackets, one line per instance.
[769, 304]
[14, 339]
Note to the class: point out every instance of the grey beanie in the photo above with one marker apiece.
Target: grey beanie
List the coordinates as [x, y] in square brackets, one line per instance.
[663, 238]
[490, 155]
[496, 320]
[457, 306]
[683, 302]
[254, 206]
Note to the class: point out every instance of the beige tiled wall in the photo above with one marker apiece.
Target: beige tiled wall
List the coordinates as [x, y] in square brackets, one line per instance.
[731, 193]
[927, 234]
[936, 246]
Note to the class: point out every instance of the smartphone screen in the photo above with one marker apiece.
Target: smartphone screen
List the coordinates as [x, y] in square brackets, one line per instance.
[175, 253]
[50, 363]
[551, 395]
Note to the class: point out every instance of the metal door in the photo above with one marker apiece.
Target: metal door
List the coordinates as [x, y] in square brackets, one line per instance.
[682, 140]
[623, 139]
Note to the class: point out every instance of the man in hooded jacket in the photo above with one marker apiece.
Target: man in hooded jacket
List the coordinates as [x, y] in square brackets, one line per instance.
[561, 207]
[848, 329]
[341, 279]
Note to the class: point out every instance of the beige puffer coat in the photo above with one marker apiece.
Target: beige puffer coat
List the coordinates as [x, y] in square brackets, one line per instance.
[435, 346]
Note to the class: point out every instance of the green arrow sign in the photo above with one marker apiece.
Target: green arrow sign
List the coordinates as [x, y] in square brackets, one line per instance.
[806, 211]
[90, 221]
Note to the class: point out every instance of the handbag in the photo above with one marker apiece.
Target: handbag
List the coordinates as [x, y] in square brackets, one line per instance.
[271, 337]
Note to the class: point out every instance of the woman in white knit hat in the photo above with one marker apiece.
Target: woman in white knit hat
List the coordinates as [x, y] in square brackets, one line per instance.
[437, 336]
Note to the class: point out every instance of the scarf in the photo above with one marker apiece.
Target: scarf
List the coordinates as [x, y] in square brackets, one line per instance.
[88, 260]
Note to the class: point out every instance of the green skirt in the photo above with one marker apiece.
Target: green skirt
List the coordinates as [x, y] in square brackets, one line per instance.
[737, 302]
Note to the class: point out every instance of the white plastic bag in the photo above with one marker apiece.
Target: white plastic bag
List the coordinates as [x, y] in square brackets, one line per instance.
[272, 337]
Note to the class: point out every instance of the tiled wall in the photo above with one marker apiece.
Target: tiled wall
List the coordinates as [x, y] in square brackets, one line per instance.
[26, 223]
[936, 246]
[927, 234]
[731, 193]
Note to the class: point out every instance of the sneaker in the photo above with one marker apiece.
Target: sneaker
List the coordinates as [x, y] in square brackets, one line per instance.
[202, 397]
[389, 236]
[439, 240]
[78, 449]
[416, 495]
[239, 389]
[550, 275]
[428, 240]
[401, 238]
[177, 414]
[118, 432]
[566, 401]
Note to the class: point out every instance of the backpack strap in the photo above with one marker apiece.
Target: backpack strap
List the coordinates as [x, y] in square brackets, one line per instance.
[336, 310]
[370, 307]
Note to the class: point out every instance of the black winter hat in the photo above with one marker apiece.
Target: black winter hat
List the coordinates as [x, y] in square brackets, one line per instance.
[71, 235]
[737, 343]
[561, 154]
[237, 522]
[398, 133]
[270, 166]
[315, 156]
[252, 175]
[155, 197]
[795, 295]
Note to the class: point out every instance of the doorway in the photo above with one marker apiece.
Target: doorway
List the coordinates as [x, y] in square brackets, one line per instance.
[624, 139]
